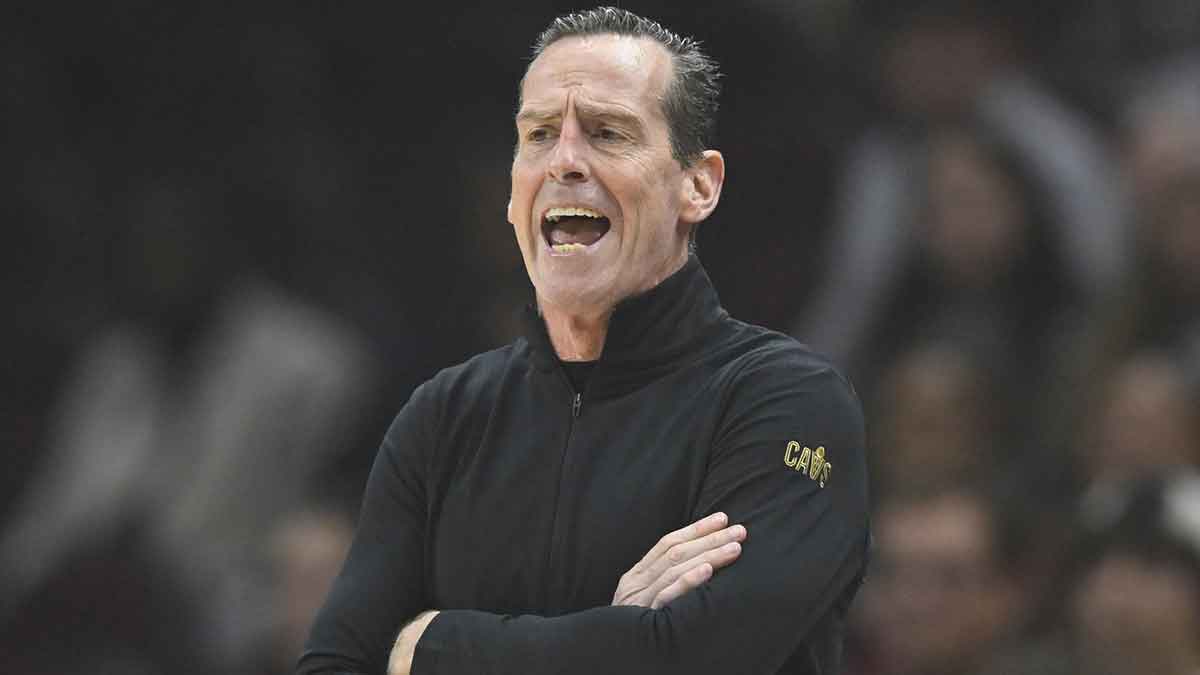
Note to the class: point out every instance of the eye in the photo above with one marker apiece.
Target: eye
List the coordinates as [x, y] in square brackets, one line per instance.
[537, 134]
[608, 134]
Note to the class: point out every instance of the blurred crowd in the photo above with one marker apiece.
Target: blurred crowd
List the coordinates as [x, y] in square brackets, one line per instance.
[240, 239]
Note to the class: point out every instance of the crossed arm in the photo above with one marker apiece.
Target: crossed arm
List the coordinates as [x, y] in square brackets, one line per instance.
[671, 614]
[679, 562]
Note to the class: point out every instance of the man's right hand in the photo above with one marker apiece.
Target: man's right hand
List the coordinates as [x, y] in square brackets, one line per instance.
[680, 561]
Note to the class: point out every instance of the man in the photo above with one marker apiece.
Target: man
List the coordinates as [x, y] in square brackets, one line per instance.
[507, 514]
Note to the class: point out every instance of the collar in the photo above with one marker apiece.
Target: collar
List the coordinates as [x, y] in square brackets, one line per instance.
[648, 334]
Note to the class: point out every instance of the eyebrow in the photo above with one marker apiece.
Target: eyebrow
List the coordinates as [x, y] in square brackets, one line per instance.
[532, 115]
[588, 110]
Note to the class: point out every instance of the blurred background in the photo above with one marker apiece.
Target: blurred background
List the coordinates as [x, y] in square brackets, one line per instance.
[239, 238]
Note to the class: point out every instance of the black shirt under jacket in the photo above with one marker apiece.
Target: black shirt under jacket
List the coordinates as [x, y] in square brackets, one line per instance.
[514, 505]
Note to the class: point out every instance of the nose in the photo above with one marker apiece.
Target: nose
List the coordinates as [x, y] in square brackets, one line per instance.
[568, 163]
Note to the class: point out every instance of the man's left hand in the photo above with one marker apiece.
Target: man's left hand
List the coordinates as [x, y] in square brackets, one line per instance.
[681, 561]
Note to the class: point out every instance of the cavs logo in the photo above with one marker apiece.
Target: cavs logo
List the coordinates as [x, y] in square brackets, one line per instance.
[808, 461]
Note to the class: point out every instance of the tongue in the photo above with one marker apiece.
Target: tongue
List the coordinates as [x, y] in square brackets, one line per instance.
[578, 230]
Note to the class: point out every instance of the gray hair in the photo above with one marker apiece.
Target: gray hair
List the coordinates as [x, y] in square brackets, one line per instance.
[690, 104]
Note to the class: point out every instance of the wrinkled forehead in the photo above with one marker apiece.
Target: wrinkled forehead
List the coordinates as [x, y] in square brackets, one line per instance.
[612, 68]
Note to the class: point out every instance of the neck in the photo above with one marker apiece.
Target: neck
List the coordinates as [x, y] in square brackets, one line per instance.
[578, 335]
[575, 337]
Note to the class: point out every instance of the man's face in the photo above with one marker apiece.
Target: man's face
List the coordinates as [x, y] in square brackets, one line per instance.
[598, 204]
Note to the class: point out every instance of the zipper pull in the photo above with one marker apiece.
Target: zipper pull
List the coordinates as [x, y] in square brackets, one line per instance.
[577, 405]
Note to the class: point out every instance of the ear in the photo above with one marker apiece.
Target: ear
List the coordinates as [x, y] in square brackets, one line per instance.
[702, 187]
[508, 211]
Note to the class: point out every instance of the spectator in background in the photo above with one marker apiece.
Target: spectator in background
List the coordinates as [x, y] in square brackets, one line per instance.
[1159, 310]
[936, 420]
[1136, 606]
[1162, 309]
[190, 425]
[1147, 422]
[1131, 600]
[306, 550]
[981, 268]
[947, 589]
[950, 63]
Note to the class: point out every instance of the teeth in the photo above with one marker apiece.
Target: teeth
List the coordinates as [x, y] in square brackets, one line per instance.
[560, 211]
[567, 248]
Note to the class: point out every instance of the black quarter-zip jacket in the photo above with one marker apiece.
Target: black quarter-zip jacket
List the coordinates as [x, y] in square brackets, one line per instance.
[513, 505]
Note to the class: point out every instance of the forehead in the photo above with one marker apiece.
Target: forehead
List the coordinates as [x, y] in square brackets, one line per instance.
[618, 69]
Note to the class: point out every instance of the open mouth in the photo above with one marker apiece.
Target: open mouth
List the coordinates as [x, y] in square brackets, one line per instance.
[573, 228]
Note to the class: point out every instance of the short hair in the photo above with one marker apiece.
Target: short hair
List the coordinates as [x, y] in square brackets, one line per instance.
[690, 104]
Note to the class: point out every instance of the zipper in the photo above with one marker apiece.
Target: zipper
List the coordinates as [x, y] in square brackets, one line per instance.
[576, 407]
[552, 553]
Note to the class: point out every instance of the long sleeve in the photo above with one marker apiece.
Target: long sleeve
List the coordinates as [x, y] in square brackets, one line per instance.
[381, 586]
[804, 555]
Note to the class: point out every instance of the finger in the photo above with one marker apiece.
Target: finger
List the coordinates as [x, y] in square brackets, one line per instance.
[686, 582]
[724, 556]
[700, 528]
[650, 583]
[681, 553]
[715, 559]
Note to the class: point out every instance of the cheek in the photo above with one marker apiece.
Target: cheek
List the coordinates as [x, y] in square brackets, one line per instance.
[653, 208]
[520, 204]
[526, 244]
[525, 181]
